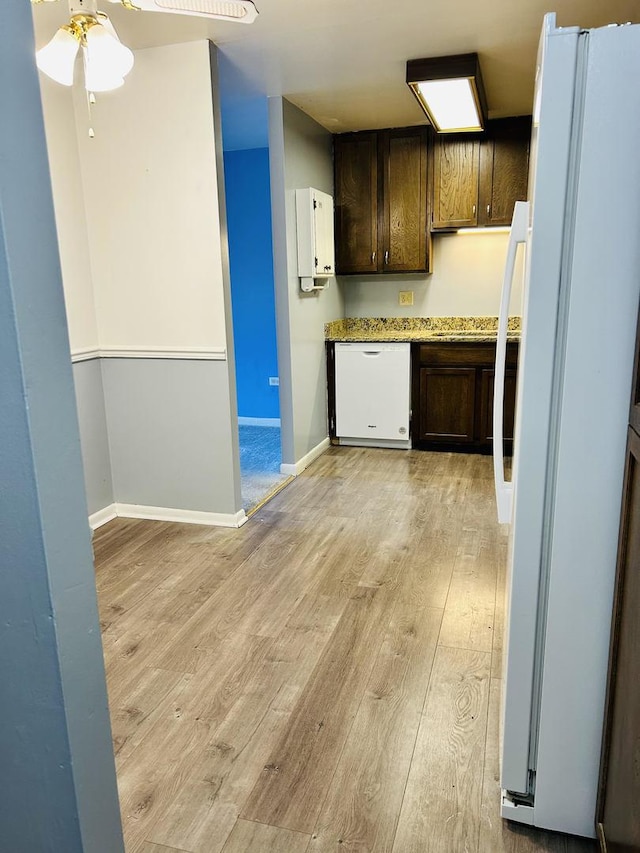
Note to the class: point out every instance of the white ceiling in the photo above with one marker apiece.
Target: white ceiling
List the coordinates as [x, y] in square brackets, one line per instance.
[343, 61]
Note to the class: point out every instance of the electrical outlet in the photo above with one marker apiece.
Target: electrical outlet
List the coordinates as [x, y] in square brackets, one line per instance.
[274, 380]
[405, 297]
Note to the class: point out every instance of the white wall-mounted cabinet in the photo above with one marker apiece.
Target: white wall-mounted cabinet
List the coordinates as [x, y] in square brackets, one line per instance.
[316, 252]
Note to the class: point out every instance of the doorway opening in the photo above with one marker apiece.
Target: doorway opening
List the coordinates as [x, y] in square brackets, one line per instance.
[248, 202]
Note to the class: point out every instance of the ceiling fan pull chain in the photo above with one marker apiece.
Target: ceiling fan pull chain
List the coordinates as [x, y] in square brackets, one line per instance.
[91, 99]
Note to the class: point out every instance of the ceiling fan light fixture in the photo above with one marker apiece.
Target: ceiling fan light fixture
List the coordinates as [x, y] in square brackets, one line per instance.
[450, 91]
[106, 60]
[57, 58]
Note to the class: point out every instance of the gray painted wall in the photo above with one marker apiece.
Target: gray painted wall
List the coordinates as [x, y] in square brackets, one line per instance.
[57, 774]
[94, 440]
[301, 156]
[170, 433]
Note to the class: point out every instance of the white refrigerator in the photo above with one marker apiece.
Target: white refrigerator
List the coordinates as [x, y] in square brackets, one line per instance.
[580, 232]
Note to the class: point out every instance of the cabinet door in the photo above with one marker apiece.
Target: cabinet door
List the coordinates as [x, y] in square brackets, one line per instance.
[619, 797]
[455, 191]
[447, 404]
[486, 405]
[404, 232]
[504, 166]
[323, 218]
[356, 187]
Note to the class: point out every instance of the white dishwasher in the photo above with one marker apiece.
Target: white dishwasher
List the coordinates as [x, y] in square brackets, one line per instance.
[373, 394]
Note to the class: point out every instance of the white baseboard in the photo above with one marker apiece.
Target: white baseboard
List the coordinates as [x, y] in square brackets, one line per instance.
[301, 464]
[102, 516]
[184, 516]
[161, 513]
[268, 422]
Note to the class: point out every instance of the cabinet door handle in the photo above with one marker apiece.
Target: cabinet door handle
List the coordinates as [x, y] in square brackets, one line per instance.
[488, 209]
[386, 257]
[373, 257]
[473, 210]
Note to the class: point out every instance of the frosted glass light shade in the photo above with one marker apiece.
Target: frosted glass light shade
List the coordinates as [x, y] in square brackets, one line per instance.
[107, 60]
[97, 79]
[451, 104]
[57, 59]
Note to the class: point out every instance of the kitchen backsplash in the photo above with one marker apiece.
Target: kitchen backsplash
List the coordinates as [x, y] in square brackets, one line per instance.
[466, 281]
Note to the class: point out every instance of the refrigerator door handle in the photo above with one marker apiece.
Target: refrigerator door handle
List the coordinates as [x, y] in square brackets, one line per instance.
[504, 489]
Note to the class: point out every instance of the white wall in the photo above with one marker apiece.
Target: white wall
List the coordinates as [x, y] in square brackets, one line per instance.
[68, 197]
[466, 282]
[301, 155]
[152, 204]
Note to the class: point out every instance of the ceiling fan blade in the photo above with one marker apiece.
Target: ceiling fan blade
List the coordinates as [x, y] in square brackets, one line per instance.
[239, 11]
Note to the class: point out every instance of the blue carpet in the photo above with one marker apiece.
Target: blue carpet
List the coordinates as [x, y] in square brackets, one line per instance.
[260, 457]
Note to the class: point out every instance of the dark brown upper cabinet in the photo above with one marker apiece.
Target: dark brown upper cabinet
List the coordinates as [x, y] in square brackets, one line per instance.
[381, 185]
[356, 206]
[455, 188]
[504, 169]
[479, 177]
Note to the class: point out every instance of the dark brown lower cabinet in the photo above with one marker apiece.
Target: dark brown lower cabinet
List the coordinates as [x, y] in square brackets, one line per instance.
[447, 404]
[453, 396]
[619, 801]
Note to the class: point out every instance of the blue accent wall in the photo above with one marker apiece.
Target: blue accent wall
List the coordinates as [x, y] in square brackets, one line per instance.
[248, 196]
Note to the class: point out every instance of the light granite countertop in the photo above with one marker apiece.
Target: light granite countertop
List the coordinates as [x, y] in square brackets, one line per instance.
[420, 329]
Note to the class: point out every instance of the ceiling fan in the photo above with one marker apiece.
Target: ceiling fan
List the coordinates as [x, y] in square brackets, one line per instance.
[106, 60]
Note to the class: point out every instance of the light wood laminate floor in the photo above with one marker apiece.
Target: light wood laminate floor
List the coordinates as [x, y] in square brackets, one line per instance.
[326, 678]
